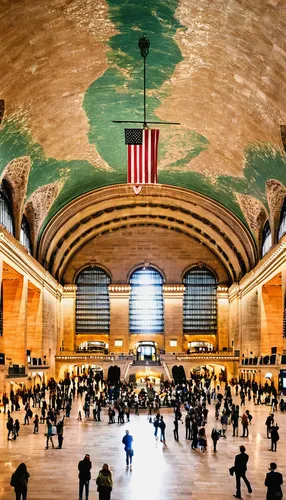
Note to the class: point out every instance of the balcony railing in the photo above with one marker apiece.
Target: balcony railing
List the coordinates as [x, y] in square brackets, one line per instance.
[16, 371]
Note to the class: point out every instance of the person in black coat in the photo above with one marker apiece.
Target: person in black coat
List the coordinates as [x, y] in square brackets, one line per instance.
[274, 437]
[273, 482]
[19, 481]
[84, 476]
[240, 468]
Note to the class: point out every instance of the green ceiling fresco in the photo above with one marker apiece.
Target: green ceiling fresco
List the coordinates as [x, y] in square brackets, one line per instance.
[117, 94]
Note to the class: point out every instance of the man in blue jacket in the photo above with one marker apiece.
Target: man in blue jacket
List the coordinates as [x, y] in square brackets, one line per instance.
[127, 441]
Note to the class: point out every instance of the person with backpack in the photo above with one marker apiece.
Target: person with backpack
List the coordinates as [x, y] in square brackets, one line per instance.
[127, 440]
[215, 435]
[104, 483]
[19, 481]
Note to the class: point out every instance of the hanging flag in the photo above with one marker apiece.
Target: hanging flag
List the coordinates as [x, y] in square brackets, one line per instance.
[142, 155]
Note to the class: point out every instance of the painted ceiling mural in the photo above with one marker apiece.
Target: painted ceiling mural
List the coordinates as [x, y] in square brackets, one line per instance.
[70, 67]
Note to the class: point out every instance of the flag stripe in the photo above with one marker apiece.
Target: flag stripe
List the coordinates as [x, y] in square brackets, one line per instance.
[143, 159]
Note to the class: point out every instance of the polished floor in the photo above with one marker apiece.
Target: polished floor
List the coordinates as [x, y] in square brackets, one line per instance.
[174, 472]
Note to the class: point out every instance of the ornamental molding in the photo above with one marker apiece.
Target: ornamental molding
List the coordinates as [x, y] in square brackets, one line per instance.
[270, 263]
[120, 291]
[15, 253]
[174, 291]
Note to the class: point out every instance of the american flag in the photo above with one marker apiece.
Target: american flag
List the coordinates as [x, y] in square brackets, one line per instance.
[142, 158]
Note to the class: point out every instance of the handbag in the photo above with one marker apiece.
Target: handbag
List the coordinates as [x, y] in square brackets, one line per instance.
[54, 430]
[231, 470]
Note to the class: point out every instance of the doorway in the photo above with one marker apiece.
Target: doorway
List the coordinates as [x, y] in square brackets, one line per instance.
[146, 351]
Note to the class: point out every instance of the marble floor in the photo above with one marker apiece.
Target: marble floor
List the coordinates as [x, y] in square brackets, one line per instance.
[173, 472]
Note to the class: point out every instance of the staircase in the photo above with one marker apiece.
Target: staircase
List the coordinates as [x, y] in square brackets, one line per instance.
[146, 363]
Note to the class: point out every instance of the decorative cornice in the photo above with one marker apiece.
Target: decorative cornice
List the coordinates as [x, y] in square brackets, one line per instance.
[271, 262]
[69, 291]
[15, 252]
[174, 291]
[119, 291]
[119, 288]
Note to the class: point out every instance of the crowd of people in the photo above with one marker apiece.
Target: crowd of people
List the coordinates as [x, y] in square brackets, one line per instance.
[51, 404]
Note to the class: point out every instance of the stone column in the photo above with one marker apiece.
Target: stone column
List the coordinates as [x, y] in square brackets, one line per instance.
[119, 317]
[222, 317]
[67, 337]
[173, 316]
[234, 316]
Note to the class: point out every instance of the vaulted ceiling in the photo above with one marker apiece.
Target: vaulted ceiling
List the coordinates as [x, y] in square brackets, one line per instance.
[70, 67]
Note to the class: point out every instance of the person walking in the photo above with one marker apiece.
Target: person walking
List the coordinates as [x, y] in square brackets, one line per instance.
[274, 437]
[269, 422]
[19, 481]
[162, 426]
[104, 483]
[273, 482]
[234, 421]
[10, 427]
[84, 467]
[36, 424]
[240, 468]
[188, 426]
[127, 440]
[244, 423]
[49, 433]
[60, 433]
[156, 422]
[176, 430]
[215, 437]
[224, 420]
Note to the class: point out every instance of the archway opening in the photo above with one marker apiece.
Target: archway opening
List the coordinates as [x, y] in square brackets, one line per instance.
[146, 351]
[199, 347]
[93, 346]
[210, 371]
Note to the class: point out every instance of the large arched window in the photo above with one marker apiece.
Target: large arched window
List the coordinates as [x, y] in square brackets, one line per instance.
[200, 301]
[6, 215]
[146, 305]
[282, 224]
[92, 301]
[25, 237]
[266, 239]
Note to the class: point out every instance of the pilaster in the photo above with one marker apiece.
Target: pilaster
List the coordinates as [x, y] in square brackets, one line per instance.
[119, 317]
[173, 316]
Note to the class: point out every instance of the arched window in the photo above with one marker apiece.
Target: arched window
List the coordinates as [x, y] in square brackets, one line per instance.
[6, 215]
[282, 224]
[92, 301]
[266, 239]
[25, 238]
[200, 301]
[146, 305]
